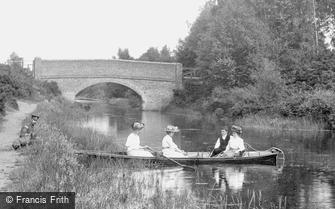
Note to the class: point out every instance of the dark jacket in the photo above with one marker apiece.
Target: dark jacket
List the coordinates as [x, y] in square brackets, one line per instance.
[223, 145]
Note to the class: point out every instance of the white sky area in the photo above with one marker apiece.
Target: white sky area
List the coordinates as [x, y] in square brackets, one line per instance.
[87, 29]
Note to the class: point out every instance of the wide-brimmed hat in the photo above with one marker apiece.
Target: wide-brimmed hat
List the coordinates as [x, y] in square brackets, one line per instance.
[236, 129]
[137, 125]
[171, 128]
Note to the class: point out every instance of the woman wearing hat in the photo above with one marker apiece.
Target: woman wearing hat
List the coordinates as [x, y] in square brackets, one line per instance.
[235, 145]
[133, 142]
[170, 149]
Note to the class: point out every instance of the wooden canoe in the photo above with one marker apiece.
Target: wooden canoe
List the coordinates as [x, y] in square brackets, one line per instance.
[268, 157]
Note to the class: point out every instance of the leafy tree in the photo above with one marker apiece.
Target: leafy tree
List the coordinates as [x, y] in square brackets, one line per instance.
[262, 55]
[14, 59]
[152, 54]
[224, 41]
[124, 54]
[185, 55]
[165, 55]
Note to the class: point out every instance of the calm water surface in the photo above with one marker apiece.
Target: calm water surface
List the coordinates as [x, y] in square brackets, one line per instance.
[306, 179]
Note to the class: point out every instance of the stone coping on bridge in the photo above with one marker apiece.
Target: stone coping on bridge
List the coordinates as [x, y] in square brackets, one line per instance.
[105, 76]
[118, 60]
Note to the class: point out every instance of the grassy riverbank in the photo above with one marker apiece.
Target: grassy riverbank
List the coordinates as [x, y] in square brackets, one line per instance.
[256, 121]
[279, 123]
[51, 165]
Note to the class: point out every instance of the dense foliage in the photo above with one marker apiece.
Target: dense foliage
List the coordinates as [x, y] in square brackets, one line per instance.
[261, 56]
[123, 54]
[17, 82]
[154, 55]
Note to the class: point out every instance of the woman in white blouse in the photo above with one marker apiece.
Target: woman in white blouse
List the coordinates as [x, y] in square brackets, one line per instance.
[133, 142]
[235, 145]
[169, 148]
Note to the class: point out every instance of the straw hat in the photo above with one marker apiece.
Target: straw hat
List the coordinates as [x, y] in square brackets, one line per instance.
[236, 129]
[171, 128]
[137, 125]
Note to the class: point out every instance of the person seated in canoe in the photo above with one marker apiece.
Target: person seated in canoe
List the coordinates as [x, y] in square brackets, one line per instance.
[221, 143]
[235, 146]
[169, 148]
[133, 142]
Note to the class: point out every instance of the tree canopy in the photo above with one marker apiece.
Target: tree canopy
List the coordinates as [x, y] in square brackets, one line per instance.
[123, 54]
[272, 49]
[155, 55]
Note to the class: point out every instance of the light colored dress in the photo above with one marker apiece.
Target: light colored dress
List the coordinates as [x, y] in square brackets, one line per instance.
[170, 149]
[235, 145]
[134, 148]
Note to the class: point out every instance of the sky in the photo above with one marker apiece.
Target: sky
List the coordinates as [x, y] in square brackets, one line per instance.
[92, 29]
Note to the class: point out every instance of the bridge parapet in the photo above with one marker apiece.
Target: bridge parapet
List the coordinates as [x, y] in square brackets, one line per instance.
[123, 69]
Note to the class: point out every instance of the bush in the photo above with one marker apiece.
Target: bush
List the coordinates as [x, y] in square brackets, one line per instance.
[234, 102]
[292, 105]
[24, 80]
[264, 95]
[189, 94]
[319, 105]
[49, 89]
[9, 90]
[15, 83]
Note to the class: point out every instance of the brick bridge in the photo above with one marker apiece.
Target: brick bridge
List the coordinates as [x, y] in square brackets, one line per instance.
[153, 81]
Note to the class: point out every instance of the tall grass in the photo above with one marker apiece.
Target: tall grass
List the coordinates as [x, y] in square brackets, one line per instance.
[279, 123]
[52, 165]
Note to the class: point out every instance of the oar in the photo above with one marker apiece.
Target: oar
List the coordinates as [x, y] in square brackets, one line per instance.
[172, 160]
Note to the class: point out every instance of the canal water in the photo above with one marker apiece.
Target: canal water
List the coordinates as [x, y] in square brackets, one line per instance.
[306, 179]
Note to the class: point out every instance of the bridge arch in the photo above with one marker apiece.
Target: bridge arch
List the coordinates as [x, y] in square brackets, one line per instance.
[132, 87]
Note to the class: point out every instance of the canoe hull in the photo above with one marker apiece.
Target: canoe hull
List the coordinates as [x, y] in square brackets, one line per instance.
[199, 158]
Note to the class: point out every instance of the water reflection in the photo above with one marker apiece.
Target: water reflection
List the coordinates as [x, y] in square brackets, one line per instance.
[307, 178]
[174, 180]
[229, 177]
[102, 125]
[152, 134]
[318, 193]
